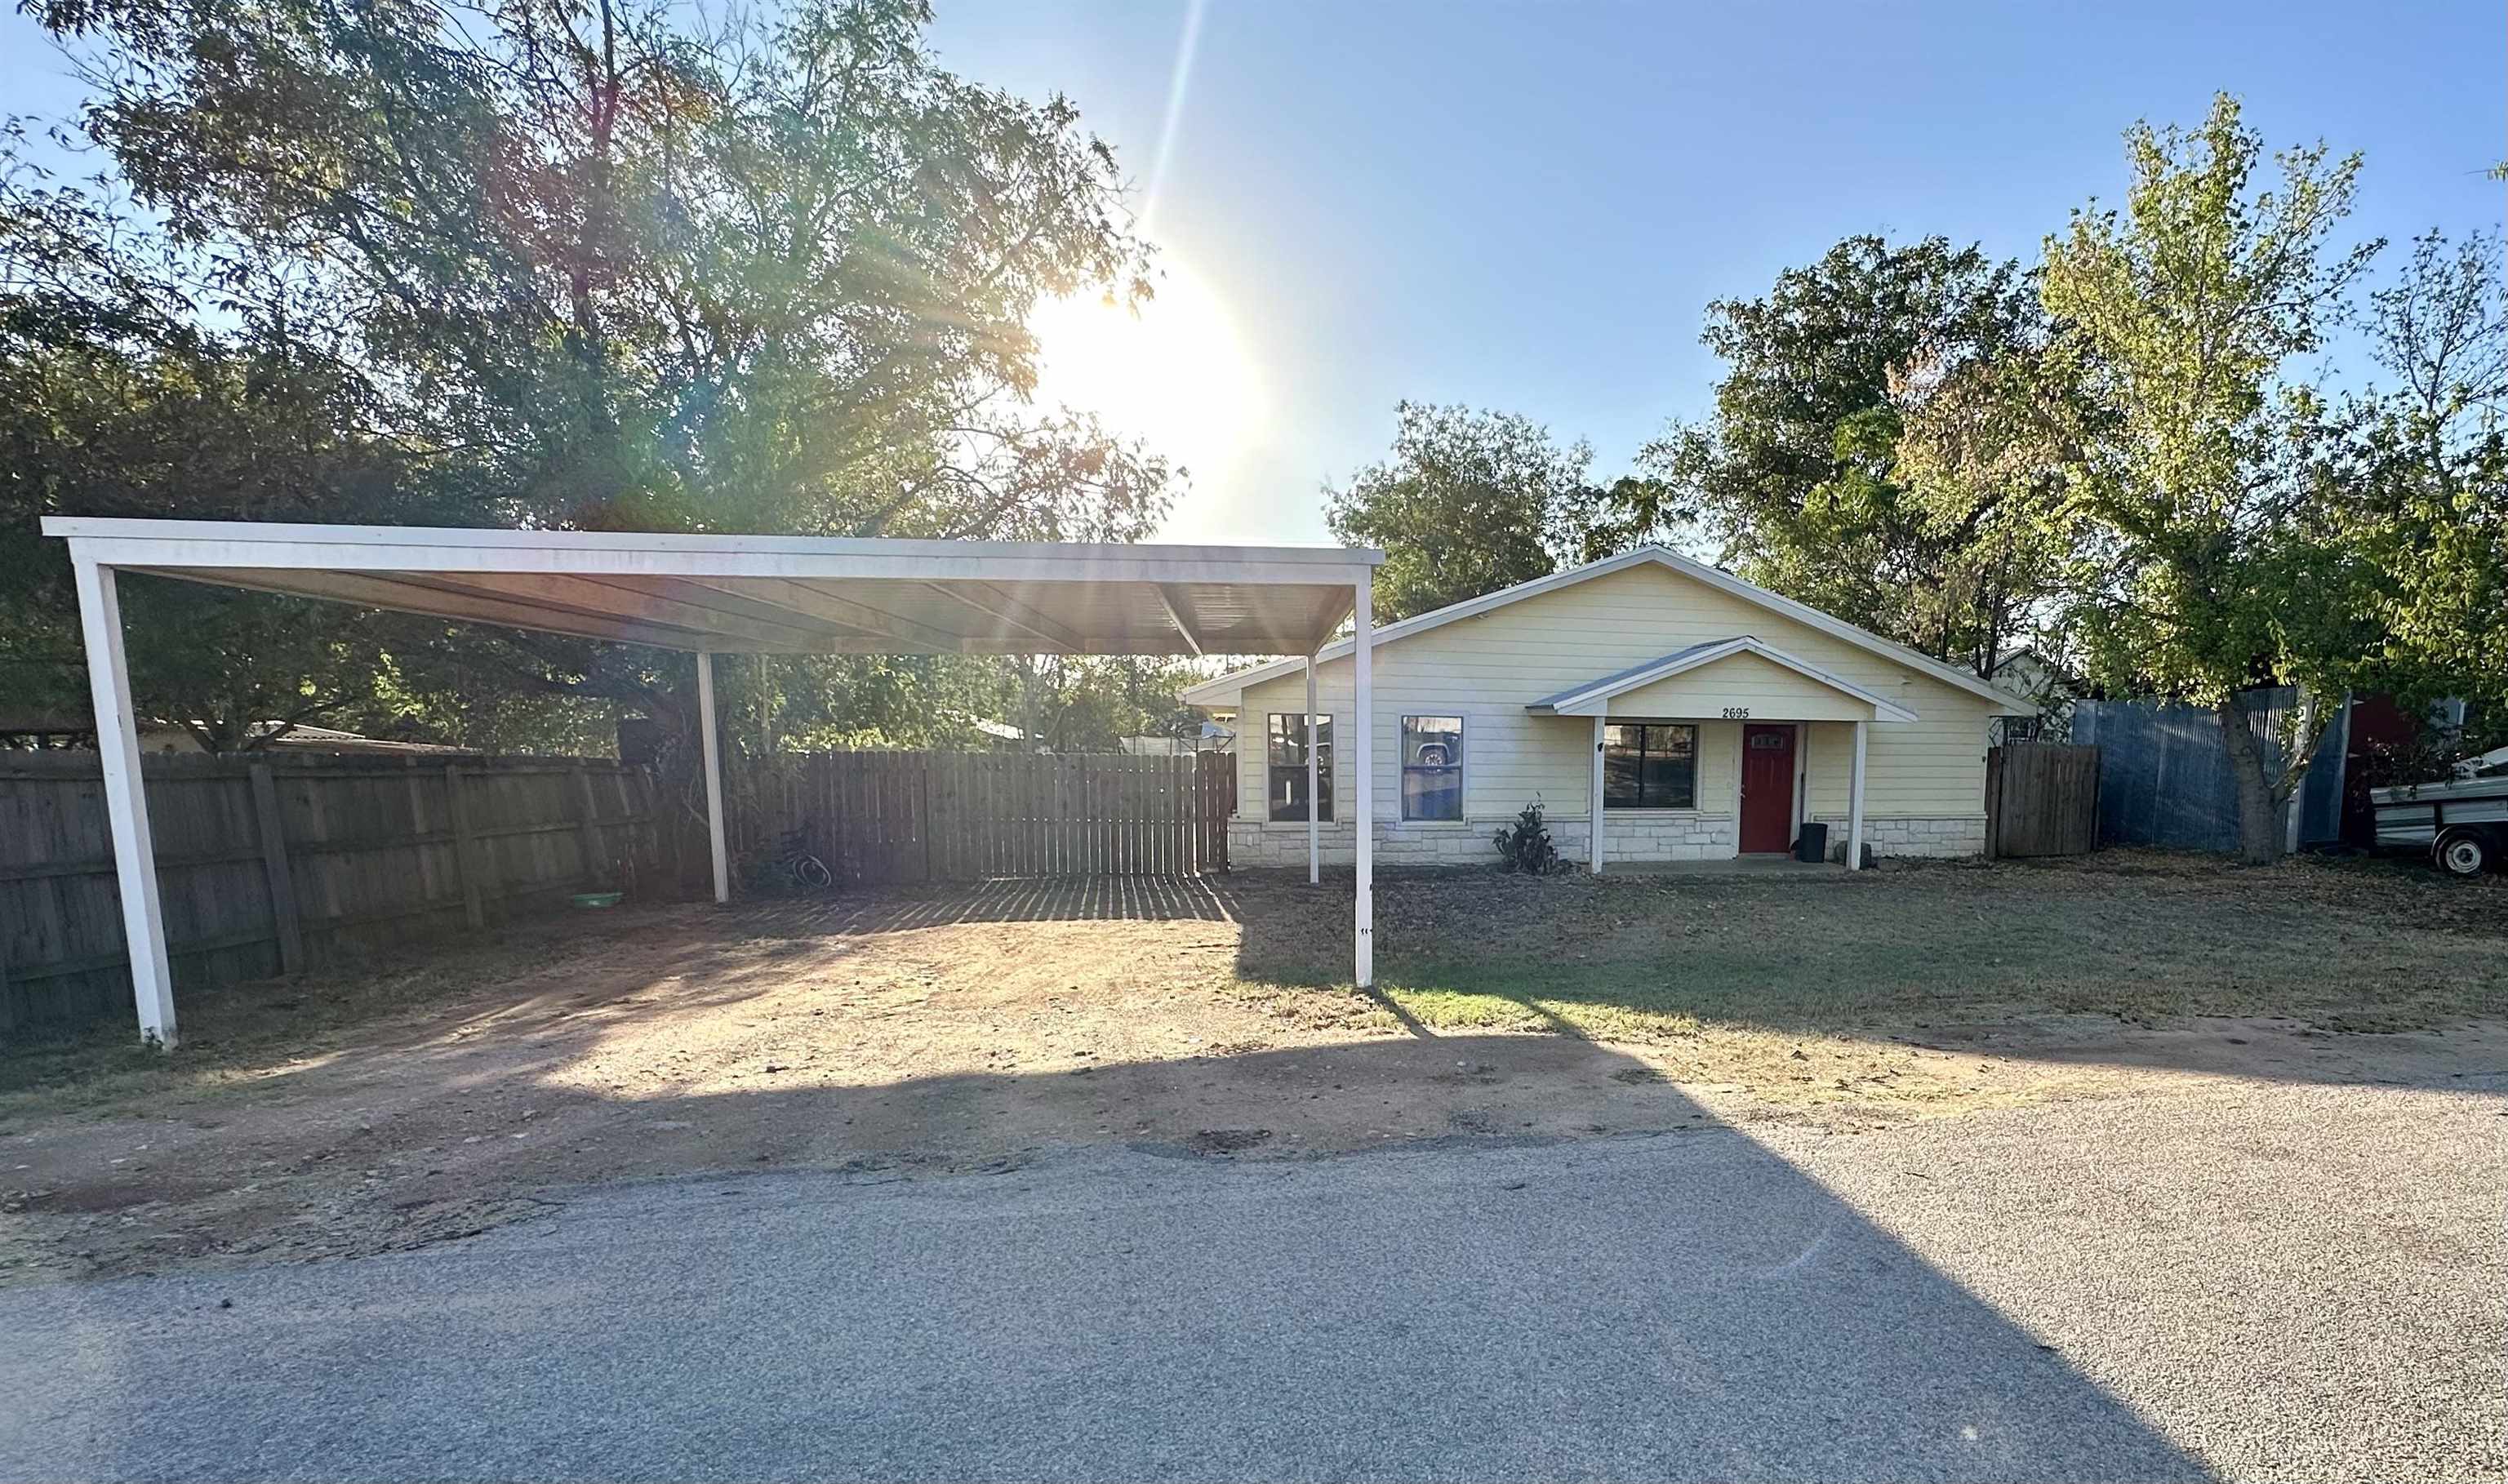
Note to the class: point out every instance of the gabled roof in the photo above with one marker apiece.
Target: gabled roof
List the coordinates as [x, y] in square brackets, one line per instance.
[1226, 688]
[1594, 696]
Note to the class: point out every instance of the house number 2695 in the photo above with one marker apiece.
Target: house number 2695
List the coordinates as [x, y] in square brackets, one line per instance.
[1736, 712]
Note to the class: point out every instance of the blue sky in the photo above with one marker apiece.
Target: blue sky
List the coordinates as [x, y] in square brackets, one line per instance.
[1528, 206]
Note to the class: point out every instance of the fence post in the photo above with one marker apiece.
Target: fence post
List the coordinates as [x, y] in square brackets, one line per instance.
[1994, 802]
[466, 865]
[587, 827]
[273, 864]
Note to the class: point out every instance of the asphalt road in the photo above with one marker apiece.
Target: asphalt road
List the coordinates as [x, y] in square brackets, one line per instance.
[2259, 1281]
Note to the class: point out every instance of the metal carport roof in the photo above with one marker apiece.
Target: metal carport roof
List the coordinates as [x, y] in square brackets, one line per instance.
[792, 595]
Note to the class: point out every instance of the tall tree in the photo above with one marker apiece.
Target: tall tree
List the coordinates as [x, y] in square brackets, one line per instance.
[599, 263]
[2413, 482]
[1467, 504]
[2210, 570]
[1795, 477]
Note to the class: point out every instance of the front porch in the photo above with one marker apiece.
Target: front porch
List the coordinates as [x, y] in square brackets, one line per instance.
[1650, 728]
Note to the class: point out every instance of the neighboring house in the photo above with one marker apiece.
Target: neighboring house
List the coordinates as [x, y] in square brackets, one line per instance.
[1211, 738]
[2045, 689]
[1721, 715]
[1000, 733]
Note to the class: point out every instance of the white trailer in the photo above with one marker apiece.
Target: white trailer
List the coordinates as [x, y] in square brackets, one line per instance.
[2463, 825]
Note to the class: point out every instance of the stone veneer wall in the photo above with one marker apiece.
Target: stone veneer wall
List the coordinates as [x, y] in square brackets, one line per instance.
[1255, 843]
[1258, 844]
[1909, 835]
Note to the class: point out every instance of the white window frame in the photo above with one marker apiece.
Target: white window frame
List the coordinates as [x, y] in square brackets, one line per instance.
[1326, 746]
[1697, 750]
[1402, 763]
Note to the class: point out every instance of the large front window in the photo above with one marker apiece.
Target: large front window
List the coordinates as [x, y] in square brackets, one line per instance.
[1286, 751]
[1649, 766]
[1432, 767]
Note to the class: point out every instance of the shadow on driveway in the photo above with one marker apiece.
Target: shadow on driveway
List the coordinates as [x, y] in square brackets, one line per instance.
[1683, 1305]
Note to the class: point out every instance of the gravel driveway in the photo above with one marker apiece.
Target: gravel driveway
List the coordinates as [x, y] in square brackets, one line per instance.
[2243, 1278]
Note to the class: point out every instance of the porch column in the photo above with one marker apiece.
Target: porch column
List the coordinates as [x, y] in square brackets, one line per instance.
[126, 800]
[1314, 833]
[714, 776]
[1594, 800]
[1363, 767]
[1855, 803]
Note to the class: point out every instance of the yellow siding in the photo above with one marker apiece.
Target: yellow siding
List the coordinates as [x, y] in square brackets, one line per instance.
[1487, 668]
[1741, 682]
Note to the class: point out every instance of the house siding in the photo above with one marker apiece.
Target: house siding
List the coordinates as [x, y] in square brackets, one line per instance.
[1488, 667]
[1745, 682]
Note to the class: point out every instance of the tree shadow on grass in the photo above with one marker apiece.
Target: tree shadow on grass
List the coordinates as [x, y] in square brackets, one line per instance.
[1689, 1306]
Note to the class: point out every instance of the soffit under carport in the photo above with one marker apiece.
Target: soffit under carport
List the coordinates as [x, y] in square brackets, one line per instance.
[728, 594]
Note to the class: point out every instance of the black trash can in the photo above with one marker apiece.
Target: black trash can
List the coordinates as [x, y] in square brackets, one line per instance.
[1811, 845]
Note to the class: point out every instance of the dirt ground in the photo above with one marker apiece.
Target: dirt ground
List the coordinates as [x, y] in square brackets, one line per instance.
[963, 1029]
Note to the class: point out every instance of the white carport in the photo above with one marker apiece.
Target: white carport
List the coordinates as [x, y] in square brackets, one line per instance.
[710, 595]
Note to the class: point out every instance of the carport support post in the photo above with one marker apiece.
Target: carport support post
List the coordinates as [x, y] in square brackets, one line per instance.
[1855, 803]
[714, 776]
[1363, 767]
[126, 800]
[1314, 833]
[1594, 806]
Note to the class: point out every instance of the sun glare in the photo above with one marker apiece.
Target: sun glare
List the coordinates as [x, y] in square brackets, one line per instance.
[1173, 372]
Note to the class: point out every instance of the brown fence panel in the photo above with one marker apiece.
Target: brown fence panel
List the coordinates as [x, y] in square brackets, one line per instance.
[904, 817]
[2042, 798]
[279, 861]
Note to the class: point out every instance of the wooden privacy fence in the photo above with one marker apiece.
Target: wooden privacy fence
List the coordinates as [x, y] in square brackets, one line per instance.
[877, 818]
[2042, 798]
[276, 864]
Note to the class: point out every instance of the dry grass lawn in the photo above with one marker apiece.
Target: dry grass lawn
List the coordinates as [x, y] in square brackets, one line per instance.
[964, 1028]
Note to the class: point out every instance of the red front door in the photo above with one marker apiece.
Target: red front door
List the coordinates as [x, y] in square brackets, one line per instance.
[1768, 790]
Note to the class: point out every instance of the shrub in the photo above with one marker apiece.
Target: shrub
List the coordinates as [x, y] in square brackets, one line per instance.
[1524, 845]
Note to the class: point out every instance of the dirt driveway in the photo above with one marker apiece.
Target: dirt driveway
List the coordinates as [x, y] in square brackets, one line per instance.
[963, 1029]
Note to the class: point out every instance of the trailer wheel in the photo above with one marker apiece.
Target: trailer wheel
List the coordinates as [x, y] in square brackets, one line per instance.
[2462, 853]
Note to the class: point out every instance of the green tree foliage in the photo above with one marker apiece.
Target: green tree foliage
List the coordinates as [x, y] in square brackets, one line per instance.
[1981, 472]
[1468, 502]
[2413, 481]
[2207, 568]
[589, 265]
[1797, 477]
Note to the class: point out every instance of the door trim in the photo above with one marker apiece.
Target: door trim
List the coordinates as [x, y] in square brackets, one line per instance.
[1802, 776]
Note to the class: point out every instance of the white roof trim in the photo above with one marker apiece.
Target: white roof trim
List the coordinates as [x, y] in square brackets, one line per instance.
[1593, 697]
[769, 594]
[1226, 688]
[275, 538]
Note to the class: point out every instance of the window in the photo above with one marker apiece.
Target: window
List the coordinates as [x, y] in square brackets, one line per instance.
[1649, 766]
[1432, 767]
[1286, 750]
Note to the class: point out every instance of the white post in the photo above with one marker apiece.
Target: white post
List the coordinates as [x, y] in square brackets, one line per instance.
[126, 800]
[1314, 832]
[1855, 803]
[1594, 805]
[1363, 756]
[714, 777]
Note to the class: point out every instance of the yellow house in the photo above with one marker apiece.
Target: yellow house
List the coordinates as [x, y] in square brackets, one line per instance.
[1699, 716]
